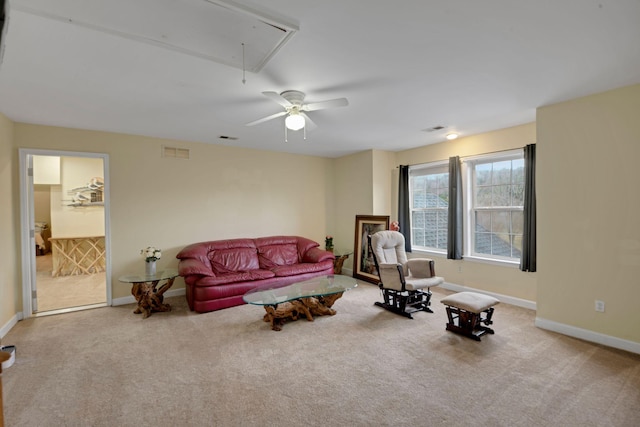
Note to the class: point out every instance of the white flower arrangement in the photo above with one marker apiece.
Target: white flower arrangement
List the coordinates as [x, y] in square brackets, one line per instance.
[151, 254]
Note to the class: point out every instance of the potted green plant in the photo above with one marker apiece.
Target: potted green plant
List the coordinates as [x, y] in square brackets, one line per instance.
[328, 243]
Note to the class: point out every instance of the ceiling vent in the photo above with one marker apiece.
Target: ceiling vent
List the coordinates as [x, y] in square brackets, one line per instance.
[433, 129]
[218, 30]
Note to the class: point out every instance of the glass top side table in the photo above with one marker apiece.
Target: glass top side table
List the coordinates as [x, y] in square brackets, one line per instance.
[145, 290]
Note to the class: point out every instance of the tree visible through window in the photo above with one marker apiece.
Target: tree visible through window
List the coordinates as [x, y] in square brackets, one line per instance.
[498, 189]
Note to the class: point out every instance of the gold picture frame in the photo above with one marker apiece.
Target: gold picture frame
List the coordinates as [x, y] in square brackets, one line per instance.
[364, 267]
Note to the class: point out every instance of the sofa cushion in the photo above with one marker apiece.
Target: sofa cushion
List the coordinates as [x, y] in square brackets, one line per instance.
[192, 266]
[201, 249]
[233, 260]
[276, 255]
[296, 269]
[239, 276]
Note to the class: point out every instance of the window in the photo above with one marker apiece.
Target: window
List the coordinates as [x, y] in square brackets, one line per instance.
[496, 206]
[493, 213]
[429, 194]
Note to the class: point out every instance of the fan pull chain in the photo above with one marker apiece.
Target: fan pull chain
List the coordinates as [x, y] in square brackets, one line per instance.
[244, 80]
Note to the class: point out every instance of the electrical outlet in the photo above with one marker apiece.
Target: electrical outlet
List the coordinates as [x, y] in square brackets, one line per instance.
[600, 306]
[459, 269]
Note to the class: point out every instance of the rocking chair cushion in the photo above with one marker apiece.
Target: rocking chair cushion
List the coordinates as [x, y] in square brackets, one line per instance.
[420, 268]
[470, 301]
[413, 284]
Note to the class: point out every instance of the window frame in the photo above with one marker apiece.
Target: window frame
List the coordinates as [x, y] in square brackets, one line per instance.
[430, 168]
[470, 209]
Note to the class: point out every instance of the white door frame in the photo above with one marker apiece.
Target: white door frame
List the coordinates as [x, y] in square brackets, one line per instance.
[27, 236]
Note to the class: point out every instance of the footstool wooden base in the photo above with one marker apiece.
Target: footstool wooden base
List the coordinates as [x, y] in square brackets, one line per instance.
[465, 310]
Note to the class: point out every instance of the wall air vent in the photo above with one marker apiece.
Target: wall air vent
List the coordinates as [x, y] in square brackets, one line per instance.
[177, 153]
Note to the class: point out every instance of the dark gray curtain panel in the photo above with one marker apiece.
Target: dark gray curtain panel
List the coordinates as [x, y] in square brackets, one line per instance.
[528, 257]
[454, 226]
[404, 212]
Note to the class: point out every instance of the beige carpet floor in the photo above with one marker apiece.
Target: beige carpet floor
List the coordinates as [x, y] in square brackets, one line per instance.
[63, 292]
[362, 367]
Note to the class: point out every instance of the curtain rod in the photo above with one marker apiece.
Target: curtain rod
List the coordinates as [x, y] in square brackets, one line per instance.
[447, 159]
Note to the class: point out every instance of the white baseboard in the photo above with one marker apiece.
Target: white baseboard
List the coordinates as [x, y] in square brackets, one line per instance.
[131, 300]
[503, 298]
[7, 326]
[584, 334]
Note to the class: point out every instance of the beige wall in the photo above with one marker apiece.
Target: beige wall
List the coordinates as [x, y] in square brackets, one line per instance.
[353, 196]
[9, 253]
[362, 186]
[46, 170]
[504, 280]
[220, 192]
[383, 172]
[42, 203]
[588, 212]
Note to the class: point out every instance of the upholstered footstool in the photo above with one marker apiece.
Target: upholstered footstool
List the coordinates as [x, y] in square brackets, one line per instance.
[465, 310]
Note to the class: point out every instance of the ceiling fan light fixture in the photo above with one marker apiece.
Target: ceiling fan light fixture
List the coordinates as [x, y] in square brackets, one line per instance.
[294, 121]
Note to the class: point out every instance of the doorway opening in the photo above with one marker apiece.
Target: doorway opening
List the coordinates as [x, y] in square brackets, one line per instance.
[65, 231]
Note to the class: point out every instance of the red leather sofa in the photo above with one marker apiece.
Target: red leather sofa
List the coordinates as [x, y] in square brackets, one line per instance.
[218, 273]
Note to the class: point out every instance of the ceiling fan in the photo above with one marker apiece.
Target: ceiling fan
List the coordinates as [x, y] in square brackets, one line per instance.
[295, 108]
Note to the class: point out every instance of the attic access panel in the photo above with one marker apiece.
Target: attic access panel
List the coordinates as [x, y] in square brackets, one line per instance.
[210, 29]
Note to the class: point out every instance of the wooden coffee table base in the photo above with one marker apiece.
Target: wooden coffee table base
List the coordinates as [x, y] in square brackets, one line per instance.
[293, 310]
[149, 298]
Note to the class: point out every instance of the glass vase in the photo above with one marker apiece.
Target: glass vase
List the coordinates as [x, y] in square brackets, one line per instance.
[150, 268]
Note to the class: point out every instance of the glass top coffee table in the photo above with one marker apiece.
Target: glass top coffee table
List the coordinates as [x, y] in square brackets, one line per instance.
[308, 298]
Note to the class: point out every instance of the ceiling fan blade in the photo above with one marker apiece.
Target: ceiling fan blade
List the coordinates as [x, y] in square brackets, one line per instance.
[308, 123]
[332, 103]
[274, 96]
[264, 119]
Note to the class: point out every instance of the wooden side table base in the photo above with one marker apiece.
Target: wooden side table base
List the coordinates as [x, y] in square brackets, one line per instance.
[337, 263]
[149, 298]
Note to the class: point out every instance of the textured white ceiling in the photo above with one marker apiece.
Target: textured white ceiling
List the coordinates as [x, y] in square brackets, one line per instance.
[405, 66]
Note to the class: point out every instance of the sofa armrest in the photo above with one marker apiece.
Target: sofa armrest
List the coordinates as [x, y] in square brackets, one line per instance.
[191, 266]
[317, 255]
